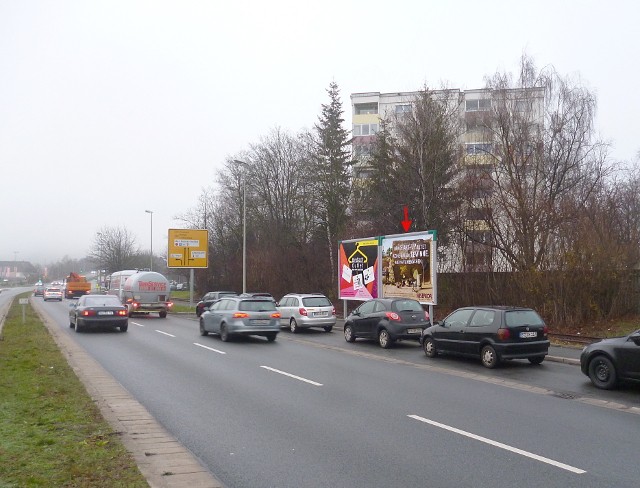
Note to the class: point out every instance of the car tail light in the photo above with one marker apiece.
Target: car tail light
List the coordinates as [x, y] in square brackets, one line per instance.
[135, 304]
[129, 300]
[333, 312]
[275, 315]
[170, 304]
[392, 315]
[240, 315]
[302, 311]
[504, 334]
[122, 313]
[426, 316]
[88, 313]
[545, 331]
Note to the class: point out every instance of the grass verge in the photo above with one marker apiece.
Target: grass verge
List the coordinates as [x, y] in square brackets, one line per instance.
[51, 432]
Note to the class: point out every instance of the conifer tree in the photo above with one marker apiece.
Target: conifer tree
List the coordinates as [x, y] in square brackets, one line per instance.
[333, 171]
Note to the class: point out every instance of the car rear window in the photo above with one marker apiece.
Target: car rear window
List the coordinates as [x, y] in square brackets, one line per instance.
[53, 289]
[518, 318]
[316, 302]
[257, 306]
[103, 301]
[406, 306]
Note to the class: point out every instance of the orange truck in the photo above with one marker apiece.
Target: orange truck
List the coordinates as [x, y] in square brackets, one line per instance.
[76, 286]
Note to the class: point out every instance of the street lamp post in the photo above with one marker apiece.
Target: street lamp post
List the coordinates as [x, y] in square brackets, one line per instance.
[150, 212]
[244, 225]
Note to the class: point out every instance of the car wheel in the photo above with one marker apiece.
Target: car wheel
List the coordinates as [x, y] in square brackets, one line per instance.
[124, 328]
[163, 315]
[536, 359]
[71, 323]
[384, 339]
[489, 357]
[224, 333]
[78, 328]
[271, 337]
[349, 336]
[203, 332]
[328, 328]
[602, 372]
[293, 325]
[429, 347]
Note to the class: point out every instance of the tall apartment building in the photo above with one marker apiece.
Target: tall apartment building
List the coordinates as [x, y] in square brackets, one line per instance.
[474, 108]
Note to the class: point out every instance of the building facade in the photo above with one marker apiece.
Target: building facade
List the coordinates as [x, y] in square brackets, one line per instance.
[479, 152]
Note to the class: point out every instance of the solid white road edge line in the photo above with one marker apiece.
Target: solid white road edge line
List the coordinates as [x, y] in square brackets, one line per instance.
[209, 348]
[165, 333]
[292, 376]
[500, 445]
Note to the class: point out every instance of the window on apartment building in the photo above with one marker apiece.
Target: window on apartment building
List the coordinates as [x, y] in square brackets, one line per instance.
[478, 104]
[479, 236]
[366, 108]
[478, 148]
[365, 129]
[362, 150]
[403, 109]
[479, 213]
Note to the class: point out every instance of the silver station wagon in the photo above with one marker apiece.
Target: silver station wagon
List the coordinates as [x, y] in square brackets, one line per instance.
[236, 316]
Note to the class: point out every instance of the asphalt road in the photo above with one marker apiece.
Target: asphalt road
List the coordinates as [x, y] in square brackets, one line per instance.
[312, 410]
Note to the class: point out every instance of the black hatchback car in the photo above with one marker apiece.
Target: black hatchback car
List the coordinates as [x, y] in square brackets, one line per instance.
[610, 361]
[211, 297]
[492, 333]
[387, 320]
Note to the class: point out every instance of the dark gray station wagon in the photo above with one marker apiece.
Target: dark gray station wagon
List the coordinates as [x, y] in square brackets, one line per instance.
[492, 333]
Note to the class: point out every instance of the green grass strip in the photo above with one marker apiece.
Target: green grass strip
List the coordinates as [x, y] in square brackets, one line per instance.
[51, 432]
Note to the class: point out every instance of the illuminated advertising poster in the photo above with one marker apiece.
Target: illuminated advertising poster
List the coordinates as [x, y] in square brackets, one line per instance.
[409, 266]
[358, 269]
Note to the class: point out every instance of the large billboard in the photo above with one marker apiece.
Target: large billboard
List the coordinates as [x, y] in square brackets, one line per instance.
[409, 265]
[358, 267]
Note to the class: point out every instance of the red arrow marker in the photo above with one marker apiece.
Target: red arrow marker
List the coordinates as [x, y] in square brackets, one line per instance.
[406, 223]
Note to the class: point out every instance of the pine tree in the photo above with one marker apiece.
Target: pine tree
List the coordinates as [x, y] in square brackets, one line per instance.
[333, 171]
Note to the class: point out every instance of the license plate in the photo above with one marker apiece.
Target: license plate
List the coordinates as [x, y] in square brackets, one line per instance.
[414, 331]
[527, 335]
[320, 314]
[260, 322]
[106, 312]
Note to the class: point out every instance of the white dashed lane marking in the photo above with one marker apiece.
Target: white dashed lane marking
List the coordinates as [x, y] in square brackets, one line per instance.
[500, 445]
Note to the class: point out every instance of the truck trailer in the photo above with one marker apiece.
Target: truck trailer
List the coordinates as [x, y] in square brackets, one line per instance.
[141, 291]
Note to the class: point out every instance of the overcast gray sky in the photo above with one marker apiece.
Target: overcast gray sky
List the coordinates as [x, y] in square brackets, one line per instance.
[110, 108]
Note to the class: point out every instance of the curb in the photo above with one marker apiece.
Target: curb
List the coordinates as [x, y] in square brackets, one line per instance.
[162, 459]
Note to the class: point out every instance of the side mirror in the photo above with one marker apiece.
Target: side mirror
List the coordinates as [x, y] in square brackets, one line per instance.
[277, 304]
[635, 337]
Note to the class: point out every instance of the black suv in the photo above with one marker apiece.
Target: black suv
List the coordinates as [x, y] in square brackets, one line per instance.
[492, 333]
[211, 297]
[611, 360]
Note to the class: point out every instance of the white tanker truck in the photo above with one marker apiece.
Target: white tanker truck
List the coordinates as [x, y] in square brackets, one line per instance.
[141, 291]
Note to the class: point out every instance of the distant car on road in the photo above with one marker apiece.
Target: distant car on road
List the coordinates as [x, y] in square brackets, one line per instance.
[97, 311]
[211, 297]
[305, 310]
[610, 361]
[38, 289]
[491, 333]
[387, 320]
[52, 293]
[235, 316]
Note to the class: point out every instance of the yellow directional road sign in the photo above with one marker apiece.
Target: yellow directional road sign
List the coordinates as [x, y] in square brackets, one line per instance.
[188, 248]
